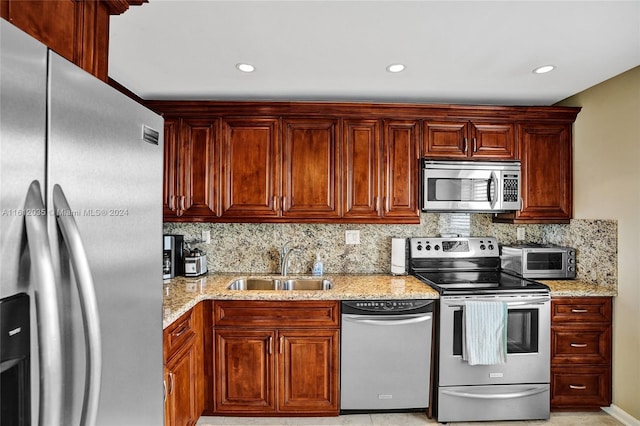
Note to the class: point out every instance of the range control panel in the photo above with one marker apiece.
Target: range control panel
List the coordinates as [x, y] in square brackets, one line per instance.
[461, 247]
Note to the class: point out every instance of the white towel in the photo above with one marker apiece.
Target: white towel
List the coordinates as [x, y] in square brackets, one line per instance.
[484, 333]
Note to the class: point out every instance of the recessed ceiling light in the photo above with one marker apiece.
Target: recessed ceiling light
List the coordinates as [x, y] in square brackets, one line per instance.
[245, 67]
[544, 69]
[395, 68]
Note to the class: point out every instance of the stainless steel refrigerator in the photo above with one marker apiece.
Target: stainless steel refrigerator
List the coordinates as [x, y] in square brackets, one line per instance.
[81, 236]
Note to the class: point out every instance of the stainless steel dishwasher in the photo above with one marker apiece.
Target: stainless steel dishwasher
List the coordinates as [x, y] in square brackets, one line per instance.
[385, 354]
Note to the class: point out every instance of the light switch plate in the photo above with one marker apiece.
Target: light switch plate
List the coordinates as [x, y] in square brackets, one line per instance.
[352, 237]
[520, 234]
[206, 237]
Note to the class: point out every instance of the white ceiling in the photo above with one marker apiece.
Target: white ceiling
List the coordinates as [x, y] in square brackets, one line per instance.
[467, 52]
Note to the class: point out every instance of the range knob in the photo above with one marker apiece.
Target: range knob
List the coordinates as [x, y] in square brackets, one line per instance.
[428, 247]
[482, 247]
[572, 260]
[571, 268]
[437, 247]
[491, 247]
[419, 247]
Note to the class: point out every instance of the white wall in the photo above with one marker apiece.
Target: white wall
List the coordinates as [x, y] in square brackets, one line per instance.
[607, 186]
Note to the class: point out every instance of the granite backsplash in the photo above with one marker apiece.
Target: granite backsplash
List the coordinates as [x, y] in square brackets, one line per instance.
[255, 248]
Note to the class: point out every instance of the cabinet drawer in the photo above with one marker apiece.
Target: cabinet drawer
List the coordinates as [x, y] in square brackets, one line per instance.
[276, 314]
[178, 333]
[581, 309]
[584, 344]
[580, 387]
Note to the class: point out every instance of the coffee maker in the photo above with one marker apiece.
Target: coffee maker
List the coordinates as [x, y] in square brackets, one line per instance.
[173, 256]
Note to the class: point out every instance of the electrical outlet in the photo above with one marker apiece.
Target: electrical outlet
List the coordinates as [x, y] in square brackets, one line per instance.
[352, 237]
[206, 237]
[520, 234]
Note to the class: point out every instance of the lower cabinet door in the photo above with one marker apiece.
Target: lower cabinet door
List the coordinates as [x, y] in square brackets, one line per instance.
[244, 371]
[308, 371]
[182, 389]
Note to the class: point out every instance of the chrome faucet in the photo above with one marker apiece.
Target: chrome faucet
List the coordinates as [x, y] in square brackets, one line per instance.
[285, 253]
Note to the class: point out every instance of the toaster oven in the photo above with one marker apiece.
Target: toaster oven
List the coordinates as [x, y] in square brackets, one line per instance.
[539, 261]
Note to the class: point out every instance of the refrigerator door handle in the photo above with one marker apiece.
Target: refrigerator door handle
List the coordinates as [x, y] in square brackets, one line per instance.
[88, 303]
[47, 312]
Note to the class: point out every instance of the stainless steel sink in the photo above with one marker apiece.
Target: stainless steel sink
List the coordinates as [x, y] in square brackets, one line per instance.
[254, 284]
[307, 284]
[280, 284]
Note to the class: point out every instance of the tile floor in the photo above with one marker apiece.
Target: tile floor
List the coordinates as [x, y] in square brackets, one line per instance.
[406, 419]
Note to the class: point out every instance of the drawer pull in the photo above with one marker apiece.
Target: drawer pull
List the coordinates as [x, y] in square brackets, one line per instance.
[181, 331]
[579, 311]
[579, 387]
[578, 345]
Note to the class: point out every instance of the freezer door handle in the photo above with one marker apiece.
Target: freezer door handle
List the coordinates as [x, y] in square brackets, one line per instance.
[88, 304]
[48, 316]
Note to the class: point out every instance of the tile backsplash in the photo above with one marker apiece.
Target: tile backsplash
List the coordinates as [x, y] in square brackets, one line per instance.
[255, 248]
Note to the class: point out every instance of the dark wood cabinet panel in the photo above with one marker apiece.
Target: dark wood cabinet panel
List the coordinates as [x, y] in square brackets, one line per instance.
[276, 357]
[401, 183]
[547, 180]
[309, 374]
[199, 162]
[362, 168]
[170, 168]
[581, 352]
[78, 30]
[251, 162]
[469, 140]
[359, 163]
[244, 371]
[312, 169]
[183, 366]
[492, 141]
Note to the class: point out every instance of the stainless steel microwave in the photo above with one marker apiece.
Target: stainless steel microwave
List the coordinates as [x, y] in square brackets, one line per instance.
[470, 186]
[535, 261]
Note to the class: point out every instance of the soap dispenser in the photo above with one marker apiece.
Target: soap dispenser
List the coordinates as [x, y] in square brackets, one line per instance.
[318, 267]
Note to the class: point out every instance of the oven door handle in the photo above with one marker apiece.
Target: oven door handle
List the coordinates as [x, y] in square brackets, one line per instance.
[387, 319]
[510, 395]
[519, 303]
[492, 183]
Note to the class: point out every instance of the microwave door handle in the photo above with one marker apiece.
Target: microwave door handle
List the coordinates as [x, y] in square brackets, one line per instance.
[492, 183]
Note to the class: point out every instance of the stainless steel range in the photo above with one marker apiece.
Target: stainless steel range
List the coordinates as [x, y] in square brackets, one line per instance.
[516, 386]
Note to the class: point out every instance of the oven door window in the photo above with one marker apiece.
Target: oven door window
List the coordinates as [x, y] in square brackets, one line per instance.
[522, 331]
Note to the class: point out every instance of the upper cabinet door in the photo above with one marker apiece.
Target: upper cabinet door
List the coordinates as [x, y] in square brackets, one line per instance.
[170, 168]
[199, 169]
[547, 180]
[400, 145]
[362, 168]
[445, 139]
[250, 167]
[492, 140]
[311, 168]
[469, 140]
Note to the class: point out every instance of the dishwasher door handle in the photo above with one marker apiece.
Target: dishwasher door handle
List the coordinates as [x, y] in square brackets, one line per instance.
[388, 319]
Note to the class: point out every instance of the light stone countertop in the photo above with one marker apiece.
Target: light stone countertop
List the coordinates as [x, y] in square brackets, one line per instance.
[182, 293]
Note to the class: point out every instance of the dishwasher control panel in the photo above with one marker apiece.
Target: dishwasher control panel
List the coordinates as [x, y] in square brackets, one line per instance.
[382, 307]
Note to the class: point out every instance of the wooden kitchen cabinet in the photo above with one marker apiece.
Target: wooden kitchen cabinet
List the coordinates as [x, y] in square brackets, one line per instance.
[184, 362]
[251, 167]
[78, 30]
[312, 169]
[581, 353]
[401, 167]
[380, 174]
[276, 357]
[469, 140]
[547, 179]
[191, 169]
